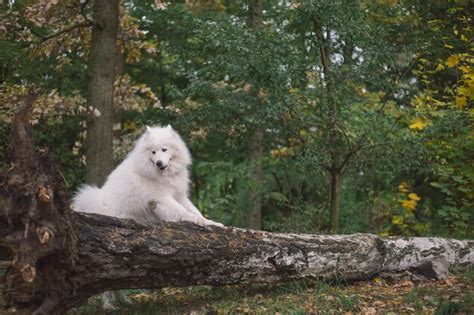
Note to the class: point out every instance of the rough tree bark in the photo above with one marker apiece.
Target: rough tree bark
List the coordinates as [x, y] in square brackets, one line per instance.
[62, 258]
[102, 70]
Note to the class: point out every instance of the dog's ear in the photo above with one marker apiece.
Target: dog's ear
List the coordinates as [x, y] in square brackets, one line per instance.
[148, 129]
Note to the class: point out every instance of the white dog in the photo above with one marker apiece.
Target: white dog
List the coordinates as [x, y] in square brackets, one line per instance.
[150, 185]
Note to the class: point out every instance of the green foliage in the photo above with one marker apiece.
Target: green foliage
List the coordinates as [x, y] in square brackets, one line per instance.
[219, 191]
[452, 144]
[63, 136]
[464, 305]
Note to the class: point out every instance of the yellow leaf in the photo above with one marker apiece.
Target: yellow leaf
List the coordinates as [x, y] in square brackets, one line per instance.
[404, 187]
[409, 204]
[469, 76]
[452, 61]
[417, 101]
[417, 124]
[463, 91]
[292, 90]
[397, 220]
[439, 67]
[414, 196]
[448, 46]
[280, 152]
[461, 102]
[465, 69]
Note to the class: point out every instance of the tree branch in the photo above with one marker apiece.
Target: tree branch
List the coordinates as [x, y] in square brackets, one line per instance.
[365, 134]
[59, 33]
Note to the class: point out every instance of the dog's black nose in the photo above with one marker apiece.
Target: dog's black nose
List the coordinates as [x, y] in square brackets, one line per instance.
[159, 163]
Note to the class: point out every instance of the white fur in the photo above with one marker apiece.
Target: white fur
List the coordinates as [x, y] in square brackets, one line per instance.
[140, 190]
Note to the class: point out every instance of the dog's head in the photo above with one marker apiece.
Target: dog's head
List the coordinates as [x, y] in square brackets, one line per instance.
[164, 149]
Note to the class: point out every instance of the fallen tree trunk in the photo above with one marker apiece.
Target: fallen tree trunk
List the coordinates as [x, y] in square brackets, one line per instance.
[62, 258]
[117, 254]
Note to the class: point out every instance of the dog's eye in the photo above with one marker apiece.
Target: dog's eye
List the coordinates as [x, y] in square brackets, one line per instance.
[164, 149]
[153, 151]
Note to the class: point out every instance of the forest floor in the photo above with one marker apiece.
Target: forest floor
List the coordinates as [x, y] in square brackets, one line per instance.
[454, 295]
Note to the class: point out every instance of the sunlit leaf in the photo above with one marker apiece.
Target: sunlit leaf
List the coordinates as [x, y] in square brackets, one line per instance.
[452, 61]
[414, 196]
[417, 124]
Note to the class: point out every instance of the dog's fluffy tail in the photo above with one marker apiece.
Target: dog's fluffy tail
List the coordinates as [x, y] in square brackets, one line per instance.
[88, 199]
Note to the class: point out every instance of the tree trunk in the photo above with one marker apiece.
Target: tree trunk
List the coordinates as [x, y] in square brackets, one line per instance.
[255, 18]
[118, 109]
[335, 200]
[255, 147]
[335, 168]
[62, 258]
[255, 155]
[99, 155]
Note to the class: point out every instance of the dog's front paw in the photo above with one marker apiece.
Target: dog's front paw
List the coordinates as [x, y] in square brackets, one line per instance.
[210, 222]
[206, 222]
[201, 222]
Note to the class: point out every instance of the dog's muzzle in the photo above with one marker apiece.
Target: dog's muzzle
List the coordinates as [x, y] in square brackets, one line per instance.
[160, 165]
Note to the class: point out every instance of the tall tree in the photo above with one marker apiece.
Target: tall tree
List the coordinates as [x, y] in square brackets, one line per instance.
[348, 75]
[102, 71]
[255, 146]
[334, 169]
